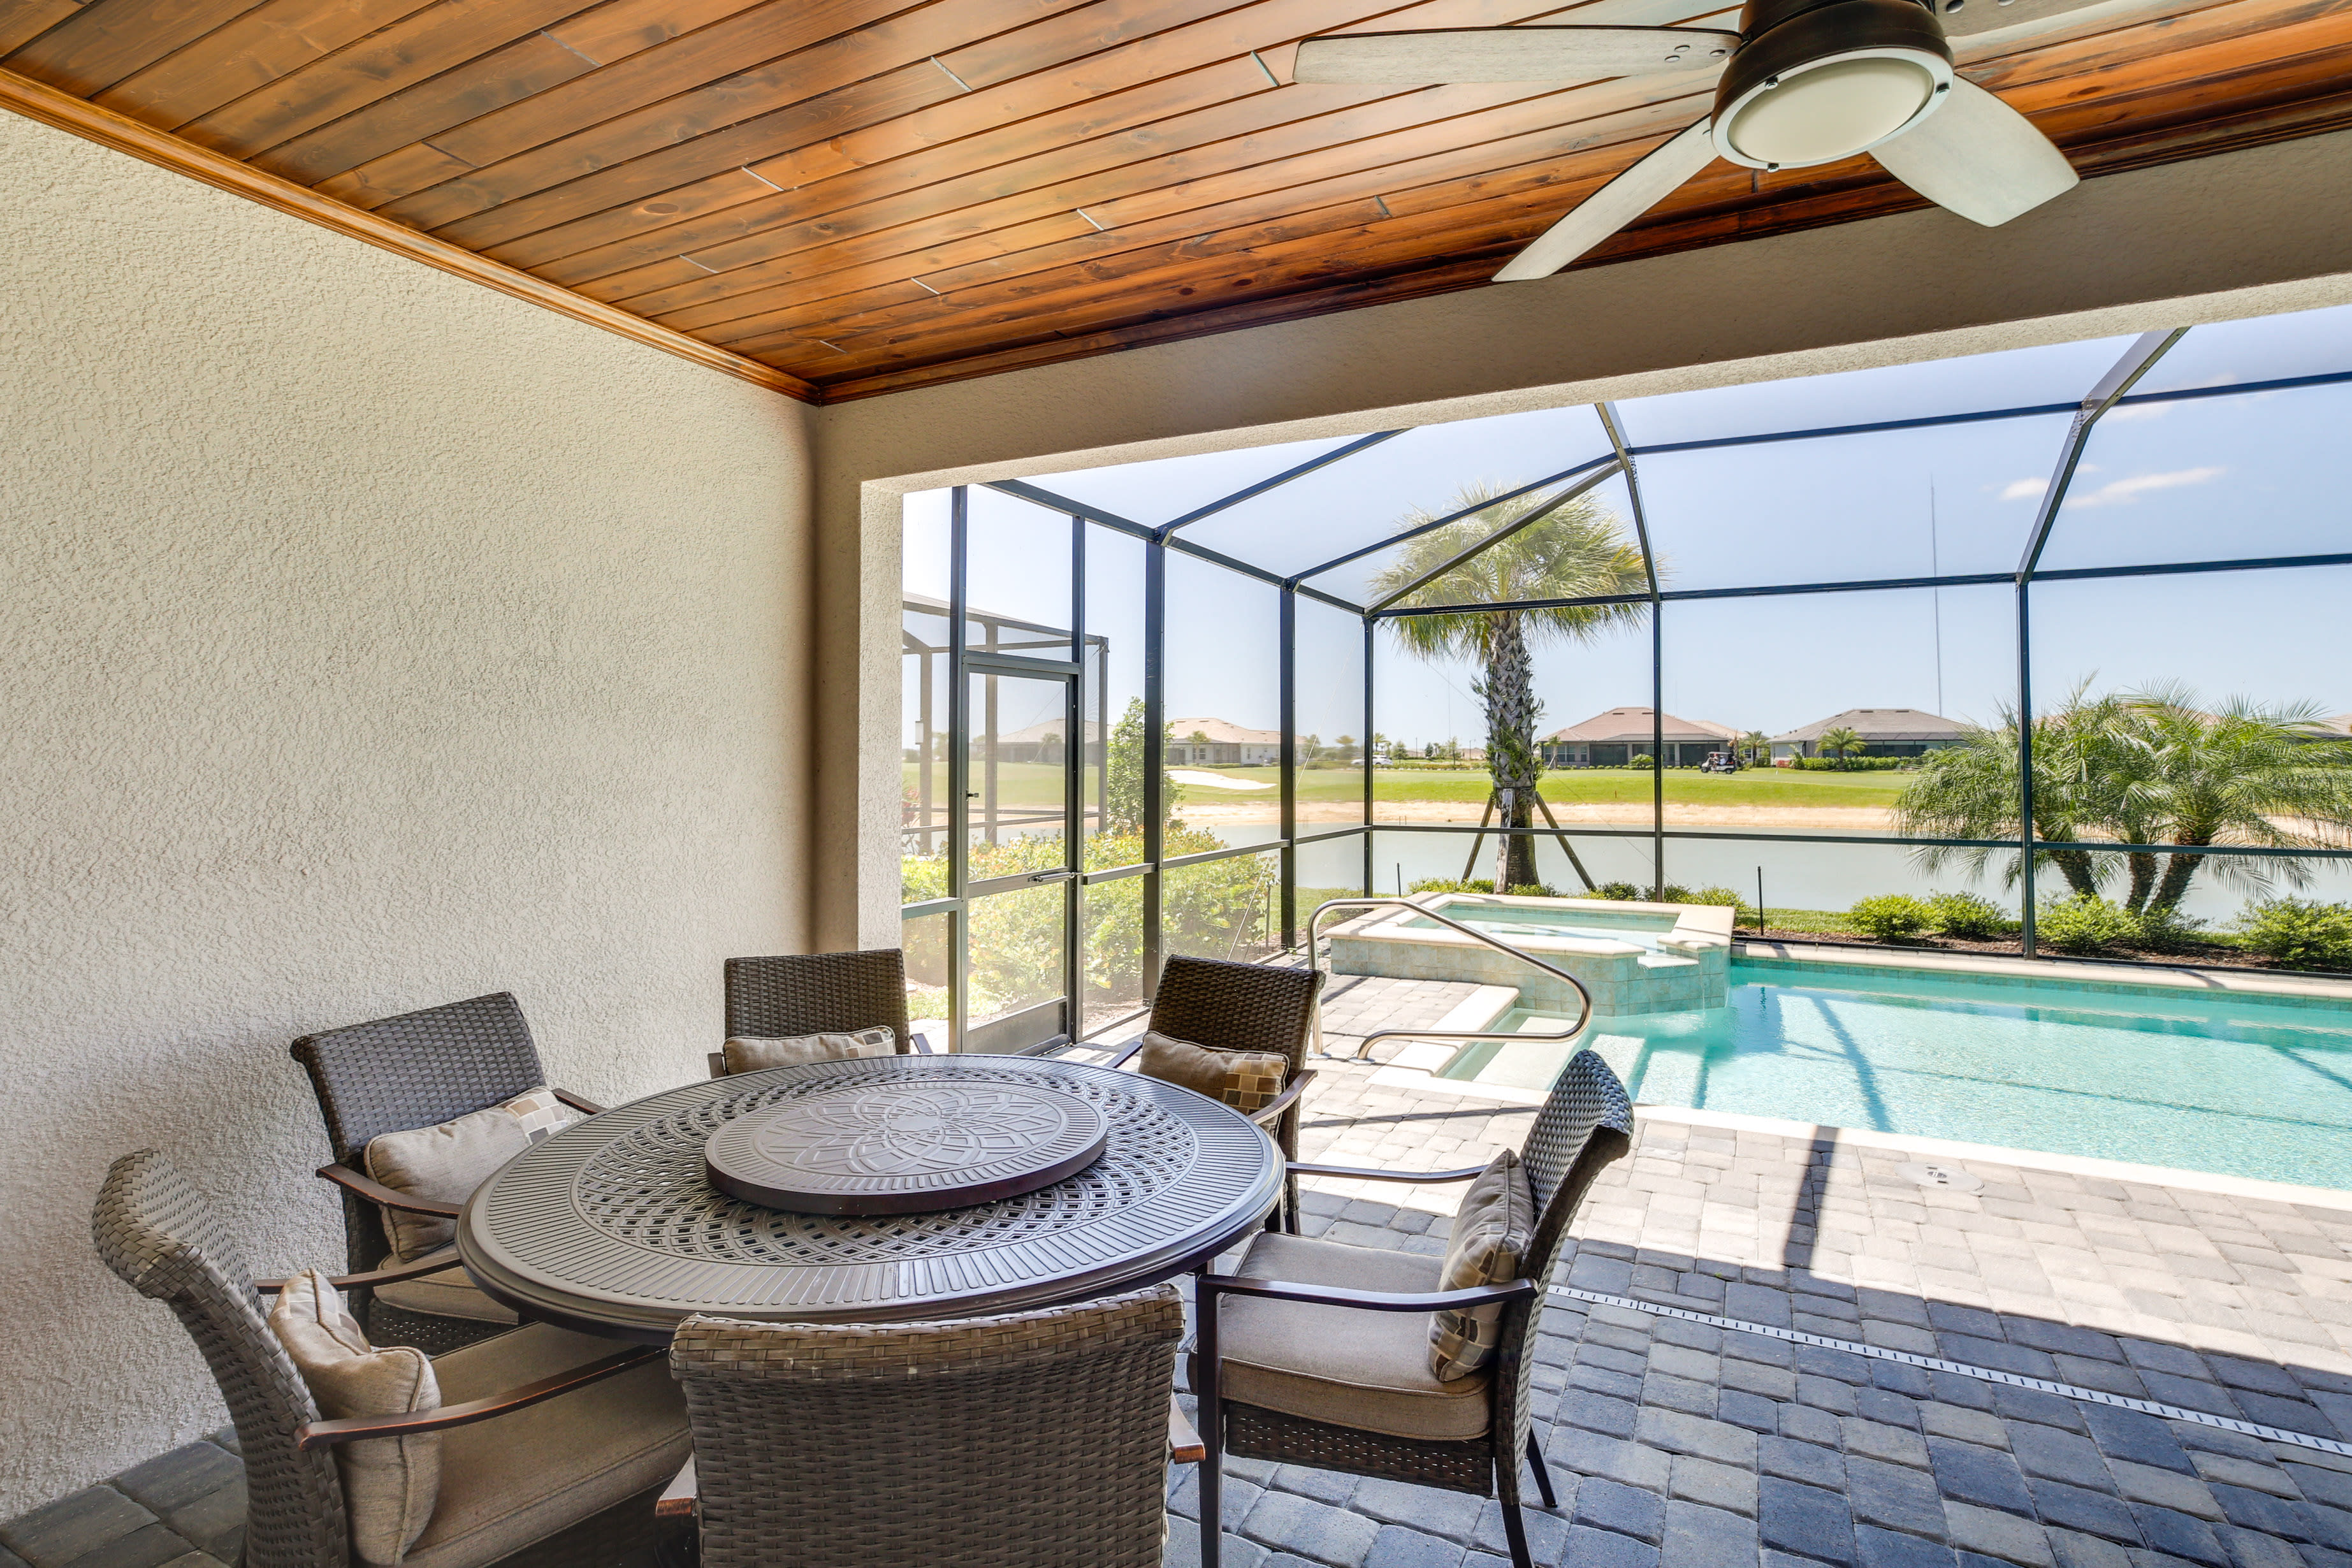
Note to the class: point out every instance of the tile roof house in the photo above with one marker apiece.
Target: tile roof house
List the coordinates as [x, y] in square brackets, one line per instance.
[1884, 731]
[1616, 737]
[1222, 743]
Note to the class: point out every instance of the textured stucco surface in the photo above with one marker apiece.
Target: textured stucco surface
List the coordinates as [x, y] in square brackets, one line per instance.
[371, 640]
[2244, 234]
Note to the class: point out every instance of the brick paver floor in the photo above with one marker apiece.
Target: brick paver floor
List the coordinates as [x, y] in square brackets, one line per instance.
[1677, 1444]
[1683, 1444]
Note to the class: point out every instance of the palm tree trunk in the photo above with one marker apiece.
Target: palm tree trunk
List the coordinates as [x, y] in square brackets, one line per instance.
[2177, 870]
[2143, 879]
[1511, 761]
[2075, 865]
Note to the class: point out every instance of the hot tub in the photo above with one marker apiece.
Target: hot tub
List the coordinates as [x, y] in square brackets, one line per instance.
[1633, 957]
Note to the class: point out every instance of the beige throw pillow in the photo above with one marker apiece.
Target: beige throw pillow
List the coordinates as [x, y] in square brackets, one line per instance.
[748, 1054]
[445, 1164]
[1246, 1080]
[390, 1484]
[1492, 1232]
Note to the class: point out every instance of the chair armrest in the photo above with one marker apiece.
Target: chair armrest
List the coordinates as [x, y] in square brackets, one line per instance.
[1273, 1108]
[375, 1192]
[680, 1496]
[1184, 1445]
[325, 1434]
[1126, 1055]
[430, 1263]
[588, 1105]
[1367, 1301]
[677, 1528]
[1305, 1168]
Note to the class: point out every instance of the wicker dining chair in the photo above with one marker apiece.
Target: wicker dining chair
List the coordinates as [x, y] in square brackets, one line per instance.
[540, 1428]
[1316, 1354]
[1030, 1440]
[816, 993]
[1244, 1007]
[418, 1069]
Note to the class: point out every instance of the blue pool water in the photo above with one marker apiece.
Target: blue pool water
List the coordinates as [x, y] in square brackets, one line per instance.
[2240, 1086]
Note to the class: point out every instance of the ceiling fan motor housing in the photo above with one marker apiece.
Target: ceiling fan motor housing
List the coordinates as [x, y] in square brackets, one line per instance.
[1817, 81]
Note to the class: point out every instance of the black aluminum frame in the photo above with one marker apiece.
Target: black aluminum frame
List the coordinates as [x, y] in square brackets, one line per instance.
[2114, 389]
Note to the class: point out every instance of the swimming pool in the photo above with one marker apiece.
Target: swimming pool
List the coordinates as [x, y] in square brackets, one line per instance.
[2243, 1086]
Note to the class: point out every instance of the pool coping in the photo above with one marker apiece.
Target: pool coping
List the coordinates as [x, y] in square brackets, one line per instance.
[2106, 977]
[2122, 1171]
[1402, 1073]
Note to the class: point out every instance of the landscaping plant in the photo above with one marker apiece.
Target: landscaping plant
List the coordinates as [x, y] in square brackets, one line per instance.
[1840, 743]
[1969, 916]
[2085, 923]
[1890, 917]
[2303, 933]
[2152, 766]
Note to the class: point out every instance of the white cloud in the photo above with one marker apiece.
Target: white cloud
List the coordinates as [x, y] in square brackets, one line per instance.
[2024, 489]
[2123, 492]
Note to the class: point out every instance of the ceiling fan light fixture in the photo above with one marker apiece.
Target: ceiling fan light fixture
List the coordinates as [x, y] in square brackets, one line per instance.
[1814, 86]
[1833, 110]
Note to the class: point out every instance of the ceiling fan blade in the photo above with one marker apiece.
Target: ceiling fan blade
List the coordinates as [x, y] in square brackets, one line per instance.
[1510, 54]
[1978, 157]
[1649, 181]
[1966, 18]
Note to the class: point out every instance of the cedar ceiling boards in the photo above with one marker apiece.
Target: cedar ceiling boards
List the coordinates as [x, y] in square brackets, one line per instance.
[840, 198]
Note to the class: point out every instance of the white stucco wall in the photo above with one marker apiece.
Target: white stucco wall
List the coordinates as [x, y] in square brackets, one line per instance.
[367, 640]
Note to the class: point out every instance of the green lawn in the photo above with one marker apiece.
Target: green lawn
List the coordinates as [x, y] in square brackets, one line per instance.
[1033, 785]
[1592, 786]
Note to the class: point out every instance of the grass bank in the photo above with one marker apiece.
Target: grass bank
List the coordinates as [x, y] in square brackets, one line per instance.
[1026, 784]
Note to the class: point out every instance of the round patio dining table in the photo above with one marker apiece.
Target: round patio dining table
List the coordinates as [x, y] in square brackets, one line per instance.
[613, 1226]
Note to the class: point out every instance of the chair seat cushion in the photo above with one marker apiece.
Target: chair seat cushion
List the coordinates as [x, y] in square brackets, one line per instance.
[448, 1294]
[517, 1478]
[1340, 1364]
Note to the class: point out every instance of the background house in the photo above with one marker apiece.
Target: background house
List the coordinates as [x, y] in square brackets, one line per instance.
[1616, 737]
[1042, 742]
[1885, 733]
[1220, 742]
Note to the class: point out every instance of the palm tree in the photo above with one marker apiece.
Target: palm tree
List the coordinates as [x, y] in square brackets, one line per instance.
[2247, 774]
[1840, 744]
[1970, 791]
[1580, 550]
[2145, 767]
[1758, 747]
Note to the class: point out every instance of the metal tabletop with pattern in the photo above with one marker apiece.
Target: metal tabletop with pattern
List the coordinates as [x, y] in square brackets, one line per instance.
[612, 1226]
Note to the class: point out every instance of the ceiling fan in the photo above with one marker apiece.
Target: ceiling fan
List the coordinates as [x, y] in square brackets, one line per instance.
[1803, 82]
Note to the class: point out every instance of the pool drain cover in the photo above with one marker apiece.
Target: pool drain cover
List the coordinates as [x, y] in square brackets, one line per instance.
[1949, 1177]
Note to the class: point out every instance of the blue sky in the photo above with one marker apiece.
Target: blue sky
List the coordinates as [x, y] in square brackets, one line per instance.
[2262, 475]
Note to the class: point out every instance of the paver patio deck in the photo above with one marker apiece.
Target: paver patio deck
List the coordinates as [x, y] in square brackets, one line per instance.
[1677, 1444]
[1681, 1444]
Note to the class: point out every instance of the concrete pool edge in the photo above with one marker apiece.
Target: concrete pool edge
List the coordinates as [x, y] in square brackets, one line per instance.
[2290, 1193]
[2181, 977]
[1395, 1075]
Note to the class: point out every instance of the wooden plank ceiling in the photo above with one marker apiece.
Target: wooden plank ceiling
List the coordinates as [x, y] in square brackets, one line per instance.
[875, 195]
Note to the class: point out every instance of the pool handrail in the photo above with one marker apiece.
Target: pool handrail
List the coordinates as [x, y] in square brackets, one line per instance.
[1315, 962]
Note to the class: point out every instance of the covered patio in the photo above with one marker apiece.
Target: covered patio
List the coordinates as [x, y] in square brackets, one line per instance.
[465, 475]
